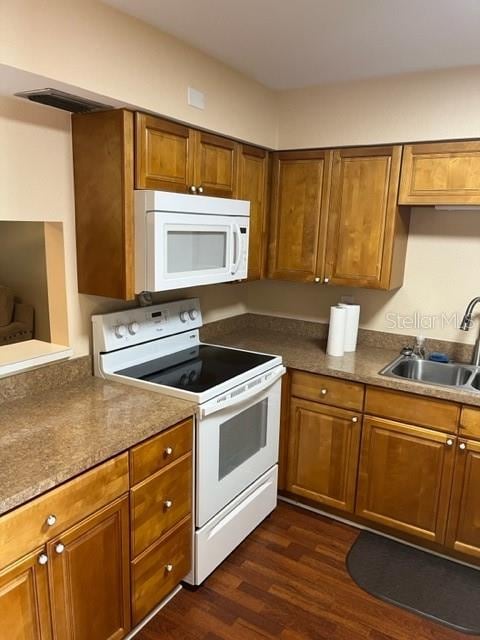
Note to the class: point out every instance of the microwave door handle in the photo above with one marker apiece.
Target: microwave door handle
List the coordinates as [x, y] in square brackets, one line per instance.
[208, 410]
[237, 248]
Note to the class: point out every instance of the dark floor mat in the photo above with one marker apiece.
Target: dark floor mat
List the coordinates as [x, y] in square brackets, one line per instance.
[431, 586]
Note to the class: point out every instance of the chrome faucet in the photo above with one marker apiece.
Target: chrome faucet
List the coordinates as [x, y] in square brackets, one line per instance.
[465, 326]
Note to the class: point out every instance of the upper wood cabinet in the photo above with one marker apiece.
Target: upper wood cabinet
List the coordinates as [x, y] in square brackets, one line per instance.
[215, 165]
[299, 203]
[252, 186]
[367, 233]
[405, 478]
[463, 533]
[441, 173]
[323, 454]
[164, 154]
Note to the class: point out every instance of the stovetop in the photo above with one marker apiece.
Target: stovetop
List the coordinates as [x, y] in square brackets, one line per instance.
[196, 369]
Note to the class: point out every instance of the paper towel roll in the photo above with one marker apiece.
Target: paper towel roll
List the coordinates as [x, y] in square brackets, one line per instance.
[336, 331]
[351, 325]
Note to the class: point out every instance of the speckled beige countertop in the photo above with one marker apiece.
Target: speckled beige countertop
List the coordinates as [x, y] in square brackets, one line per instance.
[308, 354]
[49, 437]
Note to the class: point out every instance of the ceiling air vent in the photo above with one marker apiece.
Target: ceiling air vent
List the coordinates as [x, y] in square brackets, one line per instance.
[62, 100]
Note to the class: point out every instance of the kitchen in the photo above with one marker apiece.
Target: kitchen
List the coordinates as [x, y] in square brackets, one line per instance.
[281, 309]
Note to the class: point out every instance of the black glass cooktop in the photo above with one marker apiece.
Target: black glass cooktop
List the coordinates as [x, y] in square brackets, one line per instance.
[196, 369]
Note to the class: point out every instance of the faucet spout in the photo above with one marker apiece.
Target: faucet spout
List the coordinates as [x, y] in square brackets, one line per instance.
[466, 324]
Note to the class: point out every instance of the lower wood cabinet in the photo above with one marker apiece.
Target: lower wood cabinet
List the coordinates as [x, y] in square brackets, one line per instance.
[24, 600]
[405, 477]
[463, 534]
[89, 577]
[323, 453]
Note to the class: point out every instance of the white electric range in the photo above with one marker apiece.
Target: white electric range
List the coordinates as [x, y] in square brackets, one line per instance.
[237, 393]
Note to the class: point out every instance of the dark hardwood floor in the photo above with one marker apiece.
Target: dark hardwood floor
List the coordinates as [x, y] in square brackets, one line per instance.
[288, 580]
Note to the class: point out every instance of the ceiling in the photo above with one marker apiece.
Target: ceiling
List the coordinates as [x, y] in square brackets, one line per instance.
[287, 44]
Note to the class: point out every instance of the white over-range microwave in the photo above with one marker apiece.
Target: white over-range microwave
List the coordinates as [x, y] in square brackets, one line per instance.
[188, 240]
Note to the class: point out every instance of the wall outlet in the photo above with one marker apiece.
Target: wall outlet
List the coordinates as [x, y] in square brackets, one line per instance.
[347, 299]
[195, 98]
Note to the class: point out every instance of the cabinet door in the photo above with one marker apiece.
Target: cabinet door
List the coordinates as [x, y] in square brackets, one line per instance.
[464, 518]
[323, 453]
[300, 188]
[89, 577]
[441, 173]
[252, 186]
[366, 242]
[164, 154]
[405, 477]
[24, 603]
[215, 165]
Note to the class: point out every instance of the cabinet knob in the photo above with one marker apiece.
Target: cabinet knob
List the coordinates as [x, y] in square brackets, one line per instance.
[462, 446]
[168, 452]
[200, 190]
[42, 559]
[354, 419]
[324, 392]
[168, 504]
[193, 189]
[317, 279]
[60, 547]
[449, 442]
[51, 520]
[326, 280]
[169, 568]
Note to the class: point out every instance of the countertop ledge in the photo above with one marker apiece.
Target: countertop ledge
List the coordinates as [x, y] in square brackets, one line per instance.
[50, 438]
[308, 354]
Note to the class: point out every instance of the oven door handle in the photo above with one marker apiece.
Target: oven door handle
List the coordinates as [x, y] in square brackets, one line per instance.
[237, 249]
[233, 402]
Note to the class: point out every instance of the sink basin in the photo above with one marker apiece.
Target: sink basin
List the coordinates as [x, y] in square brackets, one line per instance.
[452, 375]
[476, 381]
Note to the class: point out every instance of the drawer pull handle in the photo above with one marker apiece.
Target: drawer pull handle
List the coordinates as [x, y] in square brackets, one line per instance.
[60, 547]
[42, 559]
[169, 568]
[324, 392]
[51, 520]
[168, 452]
[449, 442]
[462, 446]
[168, 504]
[354, 419]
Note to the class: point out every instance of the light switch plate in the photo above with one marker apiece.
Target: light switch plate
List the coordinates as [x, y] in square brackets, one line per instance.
[196, 98]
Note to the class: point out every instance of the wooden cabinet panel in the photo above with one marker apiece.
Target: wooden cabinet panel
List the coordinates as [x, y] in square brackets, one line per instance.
[215, 165]
[164, 154]
[464, 519]
[157, 452]
[160, 502]
[103, 170]
[408, 407]
[328, 390]
[284, 432]
[441, 173]
[299, 202]
[323, 454]
[26, 528]
[158, 571]
[89, 578]
[252, 186]
[405, 477]
[24, 601]
[366, 240]
[470, 422]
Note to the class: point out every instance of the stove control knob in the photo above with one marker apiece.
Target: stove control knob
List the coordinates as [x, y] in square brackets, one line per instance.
[120, 330]
[183, 316]
[193, 314]
[133, 328]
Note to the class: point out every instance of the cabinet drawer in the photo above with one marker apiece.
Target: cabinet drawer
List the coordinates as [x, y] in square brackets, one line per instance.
[160, 502]
[470, 422]
[157, 572]
[25, 528]
[332, 391]
[406, 407]
[154, 454]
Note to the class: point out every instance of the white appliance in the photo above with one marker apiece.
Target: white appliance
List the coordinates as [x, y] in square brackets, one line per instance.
[237, 424]
[186, 240]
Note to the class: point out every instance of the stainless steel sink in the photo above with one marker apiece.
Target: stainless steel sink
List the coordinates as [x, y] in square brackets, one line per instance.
[438, 373]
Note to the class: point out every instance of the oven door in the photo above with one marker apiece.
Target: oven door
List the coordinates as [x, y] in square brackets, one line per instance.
[235, 446]
[185, 250]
